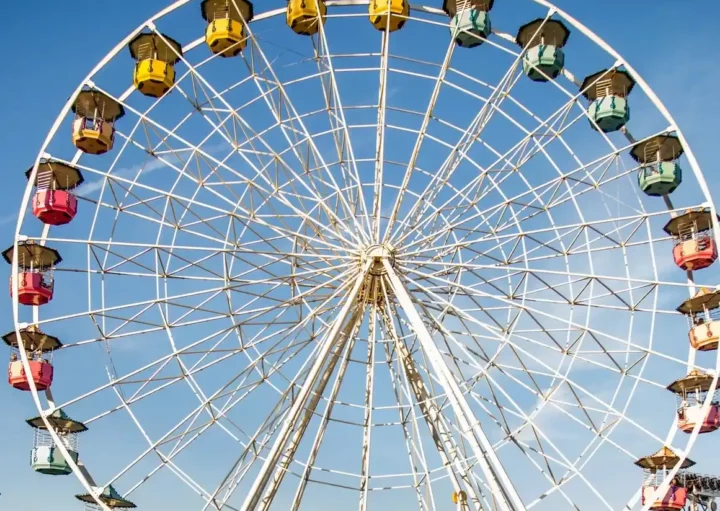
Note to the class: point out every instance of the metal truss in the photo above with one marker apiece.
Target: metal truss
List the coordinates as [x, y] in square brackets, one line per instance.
[370, 273]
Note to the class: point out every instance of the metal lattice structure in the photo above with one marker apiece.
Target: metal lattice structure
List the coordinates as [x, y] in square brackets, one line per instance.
[367, 268]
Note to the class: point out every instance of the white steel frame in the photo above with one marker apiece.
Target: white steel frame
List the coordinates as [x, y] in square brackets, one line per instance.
[391, 292]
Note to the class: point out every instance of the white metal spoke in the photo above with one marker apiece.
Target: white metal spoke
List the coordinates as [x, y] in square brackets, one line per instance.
[504, 494]
[273, 457]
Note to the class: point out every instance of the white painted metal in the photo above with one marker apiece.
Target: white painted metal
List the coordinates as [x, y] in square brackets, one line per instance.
[292, 419]
[442, 437]
[299, 427]
[503, 491]
[433, 247]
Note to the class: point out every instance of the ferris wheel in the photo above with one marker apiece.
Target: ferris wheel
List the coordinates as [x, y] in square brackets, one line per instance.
[339, 254]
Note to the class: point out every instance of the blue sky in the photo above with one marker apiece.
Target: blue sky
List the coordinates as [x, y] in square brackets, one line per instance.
[670, 46]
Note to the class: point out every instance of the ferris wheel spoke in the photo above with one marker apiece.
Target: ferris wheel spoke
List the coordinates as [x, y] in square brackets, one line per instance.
[459, 221]
[607, 410]
[246, 388]
[128, 185]
[538, 206]
[294, 148]
[245, 127]
[457, 155]
[302, 324]
[135, 377]
[556, 281]
[324, 421]
[447, 447]
[500, 110]
[496, 478]
[597, 335]
[477, 351]
[409, 422]
[353, 230]
[220, 165]
[502, 412]
[499, 333]
[277, 157]
[340, 323]
[290, 382]
[183, 476]
[545, 207]
[241, 468]
[138, 310]
[380, 135]
[570, 468]
[111, 258]
[583, 237]
[287, 353]
[501, 91]
[369, 403]
[180, 224]
[336, 117]
[554, 127]
[412, 161]
[348, 338]
[245, 220]
[519, 150]
[152, 214]
[495, 399]
[178, 447]
[461, 131]
[251, 366]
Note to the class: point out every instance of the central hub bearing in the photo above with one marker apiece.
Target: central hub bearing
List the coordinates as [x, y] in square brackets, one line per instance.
[377, 253]
[373, 290]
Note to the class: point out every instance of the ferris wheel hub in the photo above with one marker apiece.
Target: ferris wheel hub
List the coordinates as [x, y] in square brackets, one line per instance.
[373, 291]
[377, 253]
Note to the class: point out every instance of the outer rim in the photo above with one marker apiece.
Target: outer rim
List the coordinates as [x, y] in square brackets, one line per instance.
[82, 474]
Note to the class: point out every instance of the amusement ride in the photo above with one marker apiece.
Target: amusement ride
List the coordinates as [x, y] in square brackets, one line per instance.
[335, 254]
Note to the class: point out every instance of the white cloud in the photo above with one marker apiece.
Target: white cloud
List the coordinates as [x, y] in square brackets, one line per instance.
[125, 173]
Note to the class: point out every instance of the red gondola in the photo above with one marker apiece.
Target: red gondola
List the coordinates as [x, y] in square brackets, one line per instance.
[35, 272]
[54, 202]
[39, 348]
[93, 130]
[692, 391]
[656, 468]
[695, 247]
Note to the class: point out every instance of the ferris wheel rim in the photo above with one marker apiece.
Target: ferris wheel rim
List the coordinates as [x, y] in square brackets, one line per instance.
[42, 154]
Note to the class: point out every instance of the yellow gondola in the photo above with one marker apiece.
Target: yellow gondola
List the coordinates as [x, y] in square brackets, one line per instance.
[93, 130]
[305, 16]
[225, 34]
[389, 14]
[156, 56]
